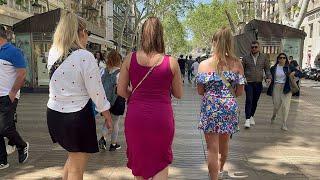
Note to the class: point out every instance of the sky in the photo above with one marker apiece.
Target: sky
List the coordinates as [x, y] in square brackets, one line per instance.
[202, 1]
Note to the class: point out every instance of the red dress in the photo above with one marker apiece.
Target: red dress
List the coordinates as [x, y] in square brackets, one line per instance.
[149, 122]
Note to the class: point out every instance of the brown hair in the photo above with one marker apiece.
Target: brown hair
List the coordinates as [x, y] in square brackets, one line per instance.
[255, 42]
[223, 46]
[152, 36]
[113, 59]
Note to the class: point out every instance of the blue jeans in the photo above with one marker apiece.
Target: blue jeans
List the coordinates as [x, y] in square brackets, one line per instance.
[253, 91]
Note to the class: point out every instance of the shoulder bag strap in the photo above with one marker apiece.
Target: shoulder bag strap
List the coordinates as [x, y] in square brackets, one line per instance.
[56, 64]
[226, 82]
[148, 73]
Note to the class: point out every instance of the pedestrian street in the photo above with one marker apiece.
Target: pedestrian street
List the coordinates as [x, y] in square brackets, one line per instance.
[262, 152]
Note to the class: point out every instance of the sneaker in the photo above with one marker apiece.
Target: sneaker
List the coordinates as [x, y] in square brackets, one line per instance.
[23, 154]
[252, 122]
[284, 127]
[247, 123]
[223, 174]
[273, 118]
[10, 149]
[102, 143]
[114, 147]
[4, 166]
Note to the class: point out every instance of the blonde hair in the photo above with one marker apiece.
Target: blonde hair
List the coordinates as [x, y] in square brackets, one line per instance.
[66, 35]
[113, 59]
[223, 47]
[152, 36]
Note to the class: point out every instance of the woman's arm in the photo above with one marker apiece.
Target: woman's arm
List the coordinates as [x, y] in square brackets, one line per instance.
[200, 87]
[177, 90]
[239, 87]
[123, 84]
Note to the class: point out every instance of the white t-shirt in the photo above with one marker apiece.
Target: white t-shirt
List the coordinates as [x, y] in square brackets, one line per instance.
[11, 58]
[102, 66]
[76, 81]
[280, 75]
[195, 67]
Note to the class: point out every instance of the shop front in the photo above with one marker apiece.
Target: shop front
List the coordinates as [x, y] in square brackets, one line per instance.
[34, 36]
[274, 39]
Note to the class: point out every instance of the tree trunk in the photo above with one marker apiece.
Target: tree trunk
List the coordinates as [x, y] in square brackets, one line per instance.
[135, 36]
[283, 12]
[303, 10]
[258, 11]
[126, 17]
[233, 28]
[48, 6]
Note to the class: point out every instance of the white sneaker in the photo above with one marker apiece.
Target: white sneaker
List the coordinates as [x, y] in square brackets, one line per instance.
[284, 127]
[10, 149]
[252, 121]
[223, 174]
[4, 166]
[247, 123]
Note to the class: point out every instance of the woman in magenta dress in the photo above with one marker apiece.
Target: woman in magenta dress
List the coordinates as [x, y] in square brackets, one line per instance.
[149, 122]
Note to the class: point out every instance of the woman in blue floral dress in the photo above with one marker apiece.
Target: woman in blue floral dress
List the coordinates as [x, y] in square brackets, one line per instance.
[219, 108]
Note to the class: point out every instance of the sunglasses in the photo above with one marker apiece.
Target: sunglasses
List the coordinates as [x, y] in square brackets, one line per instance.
[254, 47]
[282, 58]
[88, 32]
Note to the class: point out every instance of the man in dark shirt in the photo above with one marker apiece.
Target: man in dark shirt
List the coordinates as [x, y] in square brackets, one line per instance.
[189, 63]
[254, 65]
[182, 65]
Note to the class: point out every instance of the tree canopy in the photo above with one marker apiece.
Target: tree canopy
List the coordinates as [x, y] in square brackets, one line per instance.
[205, 19]
[174, 34]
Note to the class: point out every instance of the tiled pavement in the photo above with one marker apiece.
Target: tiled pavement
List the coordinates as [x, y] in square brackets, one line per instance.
[263, 152]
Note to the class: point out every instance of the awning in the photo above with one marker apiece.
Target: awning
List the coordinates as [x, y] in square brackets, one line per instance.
[96, 39]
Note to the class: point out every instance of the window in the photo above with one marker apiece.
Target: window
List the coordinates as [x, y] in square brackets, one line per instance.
[101, 11]
[311, 30]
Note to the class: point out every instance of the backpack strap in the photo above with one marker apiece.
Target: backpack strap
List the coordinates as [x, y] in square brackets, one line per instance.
[226, 82]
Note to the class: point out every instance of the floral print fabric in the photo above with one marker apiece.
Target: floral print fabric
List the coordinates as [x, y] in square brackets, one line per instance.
[219, 108]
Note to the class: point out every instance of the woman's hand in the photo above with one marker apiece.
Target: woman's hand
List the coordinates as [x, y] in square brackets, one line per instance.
[108, 120]
[292, 73]
[109, 126]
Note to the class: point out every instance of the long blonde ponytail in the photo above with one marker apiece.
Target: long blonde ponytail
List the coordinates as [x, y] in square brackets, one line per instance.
[66, 34]
[223, 48]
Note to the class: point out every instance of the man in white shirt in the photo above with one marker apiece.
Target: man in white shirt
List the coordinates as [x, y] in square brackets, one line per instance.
[12, 76]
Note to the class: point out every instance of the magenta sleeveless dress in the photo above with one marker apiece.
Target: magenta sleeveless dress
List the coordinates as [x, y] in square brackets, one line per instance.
[149, 122]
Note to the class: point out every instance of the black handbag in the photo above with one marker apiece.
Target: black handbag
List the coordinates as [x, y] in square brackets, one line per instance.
[118, 106]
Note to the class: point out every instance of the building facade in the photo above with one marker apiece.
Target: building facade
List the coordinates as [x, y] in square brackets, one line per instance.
[115, 20]
[11, 12]
[311, 25]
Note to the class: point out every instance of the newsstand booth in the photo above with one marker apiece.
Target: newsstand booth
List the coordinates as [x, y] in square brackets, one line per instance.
[34, 36]
[273, 38]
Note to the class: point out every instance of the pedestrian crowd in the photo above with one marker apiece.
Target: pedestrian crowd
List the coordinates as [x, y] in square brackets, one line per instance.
[84, 86]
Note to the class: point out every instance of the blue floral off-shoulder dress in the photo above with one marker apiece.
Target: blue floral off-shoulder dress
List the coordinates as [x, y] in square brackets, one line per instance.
[219, 108]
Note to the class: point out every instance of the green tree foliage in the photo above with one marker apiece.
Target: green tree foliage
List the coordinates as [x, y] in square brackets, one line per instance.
[142, 9]
[206, 19]
[174, 34]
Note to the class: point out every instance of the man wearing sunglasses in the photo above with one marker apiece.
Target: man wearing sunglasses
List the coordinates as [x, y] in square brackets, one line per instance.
[255, 65]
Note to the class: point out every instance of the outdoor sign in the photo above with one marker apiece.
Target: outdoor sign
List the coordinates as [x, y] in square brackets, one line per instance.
[292, 47]
[23, 41]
